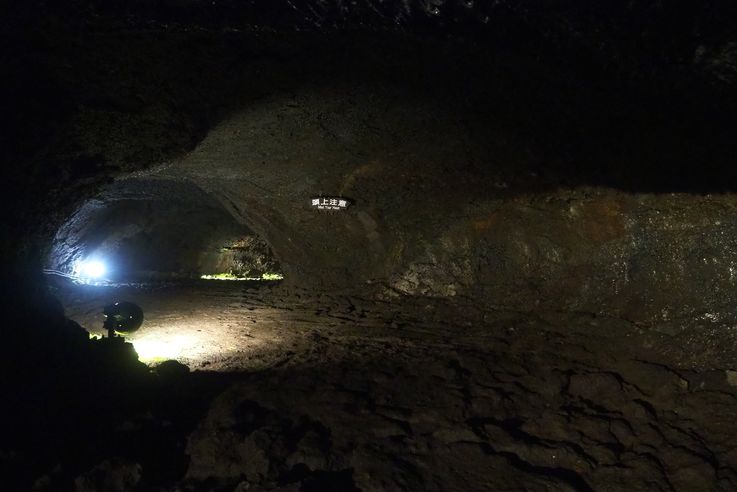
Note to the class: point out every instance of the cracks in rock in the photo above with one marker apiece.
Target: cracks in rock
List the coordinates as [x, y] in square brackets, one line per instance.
[528, 407]
[513, 428]
[648, 407]
[650, 457]
[565, 475]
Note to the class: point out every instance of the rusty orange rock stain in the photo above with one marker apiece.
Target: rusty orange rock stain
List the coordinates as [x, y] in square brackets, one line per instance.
[484, 224]
[603, 220]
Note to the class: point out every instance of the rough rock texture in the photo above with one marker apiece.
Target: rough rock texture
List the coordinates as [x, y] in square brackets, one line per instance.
[539, 251]
[549, 97]
[110, 476]
[524, 183]
[248, 256]
[550, 402]
[335, 392]
[645, 258]
[419, 227]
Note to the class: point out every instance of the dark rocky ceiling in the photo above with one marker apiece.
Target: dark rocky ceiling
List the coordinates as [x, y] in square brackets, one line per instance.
[643, 34]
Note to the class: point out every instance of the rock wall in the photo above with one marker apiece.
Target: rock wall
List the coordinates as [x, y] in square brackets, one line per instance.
[652, 259]
[481, 166]
[444, 205]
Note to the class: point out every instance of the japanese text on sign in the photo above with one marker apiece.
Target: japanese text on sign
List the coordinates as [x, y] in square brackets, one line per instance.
[330, 203]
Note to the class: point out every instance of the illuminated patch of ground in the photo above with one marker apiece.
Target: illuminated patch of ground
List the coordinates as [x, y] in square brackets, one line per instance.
[211, 326]
[231, 276]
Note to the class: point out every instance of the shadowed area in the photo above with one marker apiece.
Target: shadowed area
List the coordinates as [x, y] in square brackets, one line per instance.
[530, 284]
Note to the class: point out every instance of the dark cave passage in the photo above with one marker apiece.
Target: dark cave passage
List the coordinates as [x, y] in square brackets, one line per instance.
[144, 230]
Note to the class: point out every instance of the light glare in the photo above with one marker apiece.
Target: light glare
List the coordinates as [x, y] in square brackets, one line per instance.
[92, 268]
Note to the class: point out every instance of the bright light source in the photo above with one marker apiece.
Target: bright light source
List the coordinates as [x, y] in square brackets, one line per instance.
[91, 271]
[92, 268]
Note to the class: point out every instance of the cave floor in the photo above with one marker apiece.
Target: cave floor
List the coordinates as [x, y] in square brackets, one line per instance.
[431, 395]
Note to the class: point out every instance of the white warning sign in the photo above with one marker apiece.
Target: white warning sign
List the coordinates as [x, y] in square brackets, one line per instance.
[330, 203]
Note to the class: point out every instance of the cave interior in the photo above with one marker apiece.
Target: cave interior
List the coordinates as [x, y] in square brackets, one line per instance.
[421, 245]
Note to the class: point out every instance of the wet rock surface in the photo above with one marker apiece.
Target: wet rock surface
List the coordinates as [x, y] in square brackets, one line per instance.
[351, 393]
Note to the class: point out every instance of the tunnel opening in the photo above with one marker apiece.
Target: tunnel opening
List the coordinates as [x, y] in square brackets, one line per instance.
[152, 230]
[165, 245]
